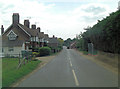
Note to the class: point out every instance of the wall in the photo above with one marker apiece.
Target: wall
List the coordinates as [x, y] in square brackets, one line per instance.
[16, 52]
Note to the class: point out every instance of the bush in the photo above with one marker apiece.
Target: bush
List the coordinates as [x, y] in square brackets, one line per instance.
[44, 51]
[85, 52]
[35, 60]
[35, 54]
[36, 49]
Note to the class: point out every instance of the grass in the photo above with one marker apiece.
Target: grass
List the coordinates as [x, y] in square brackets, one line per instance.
[10, 73]
[84, 52]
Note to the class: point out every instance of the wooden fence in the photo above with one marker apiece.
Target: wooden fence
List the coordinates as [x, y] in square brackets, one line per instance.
[23, 57]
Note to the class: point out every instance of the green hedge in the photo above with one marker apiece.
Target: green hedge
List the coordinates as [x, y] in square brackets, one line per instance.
[44, 51]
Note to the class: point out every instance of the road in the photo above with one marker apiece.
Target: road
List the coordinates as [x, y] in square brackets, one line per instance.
[69, 69]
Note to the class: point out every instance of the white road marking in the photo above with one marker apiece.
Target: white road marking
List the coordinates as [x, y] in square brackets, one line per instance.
[70, 63]
[74, 75]
[76, 81]
[69, 58]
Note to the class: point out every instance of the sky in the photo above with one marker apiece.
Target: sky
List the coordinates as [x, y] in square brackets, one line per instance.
[62, 18]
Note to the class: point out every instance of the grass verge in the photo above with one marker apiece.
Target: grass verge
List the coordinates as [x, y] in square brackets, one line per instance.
[103, 61]
[10, 73]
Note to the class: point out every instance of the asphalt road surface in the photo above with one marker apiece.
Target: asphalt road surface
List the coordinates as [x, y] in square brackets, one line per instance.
[69, 69]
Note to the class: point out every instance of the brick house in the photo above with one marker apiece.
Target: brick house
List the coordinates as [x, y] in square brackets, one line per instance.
[73, 45]
[18, 37]
[53, 43]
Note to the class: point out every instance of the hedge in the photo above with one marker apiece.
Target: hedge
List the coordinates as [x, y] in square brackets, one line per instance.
[44, 51]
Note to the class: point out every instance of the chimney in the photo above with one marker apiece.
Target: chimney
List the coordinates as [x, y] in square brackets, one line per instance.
[42, 32]
[15, 18]
[2, 29]
[38, 28]
[53, 36]
[33, 26]
[27, 23]
[47, 35]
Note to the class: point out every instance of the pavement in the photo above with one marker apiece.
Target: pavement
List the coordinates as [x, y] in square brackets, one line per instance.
[70, 69]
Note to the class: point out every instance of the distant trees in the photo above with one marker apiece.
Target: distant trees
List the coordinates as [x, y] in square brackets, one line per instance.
[69, 41]
[60, 45]
[105, 35]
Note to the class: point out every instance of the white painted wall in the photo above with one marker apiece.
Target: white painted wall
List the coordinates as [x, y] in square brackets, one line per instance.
[17, 50]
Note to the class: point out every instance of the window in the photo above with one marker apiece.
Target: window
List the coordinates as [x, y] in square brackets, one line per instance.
[37, 39]
[31, 38]
[11, 35]
[2, 50]
[10, 49]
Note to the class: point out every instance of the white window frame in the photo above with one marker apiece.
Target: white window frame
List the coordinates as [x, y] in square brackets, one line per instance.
[10, 33]
[10, 49]
[37, 39]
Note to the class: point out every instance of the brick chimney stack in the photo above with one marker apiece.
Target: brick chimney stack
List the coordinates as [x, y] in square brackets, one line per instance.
[53, 36]
[42, 32]
[33, 26]
[27, 23]
[15, 18]
[38, 28]
[2, 29]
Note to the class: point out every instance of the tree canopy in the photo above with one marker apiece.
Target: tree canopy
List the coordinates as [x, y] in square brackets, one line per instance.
[104, 35]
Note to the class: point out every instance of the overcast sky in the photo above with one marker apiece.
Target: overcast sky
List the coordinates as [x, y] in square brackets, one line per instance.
[62, 18]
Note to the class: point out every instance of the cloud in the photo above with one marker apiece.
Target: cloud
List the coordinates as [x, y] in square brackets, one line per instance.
[90, 13]
[94, 9]
[65, 25]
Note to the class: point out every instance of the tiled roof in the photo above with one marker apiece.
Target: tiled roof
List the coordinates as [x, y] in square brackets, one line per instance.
[53, 40]
[32, 32]
[41, 35]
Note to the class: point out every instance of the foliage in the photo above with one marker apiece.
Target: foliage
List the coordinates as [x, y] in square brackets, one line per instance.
[35, 53]
[36, 49]
[60, 45]
[35, 60]
[11, 74]
[85, 52]
[104, 35]
[69, 41]
[44, 51]
[61, 41]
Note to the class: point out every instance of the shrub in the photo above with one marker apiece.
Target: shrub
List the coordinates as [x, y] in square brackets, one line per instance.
[44, 51]
[35, 60]
[85, 52]
[35, 53]
[36, 49]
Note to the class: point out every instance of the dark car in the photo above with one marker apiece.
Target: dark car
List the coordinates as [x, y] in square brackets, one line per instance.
[68, 47]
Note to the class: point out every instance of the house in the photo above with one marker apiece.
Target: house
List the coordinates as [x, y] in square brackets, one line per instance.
[73, 45]
[18, 37]
[53, 43]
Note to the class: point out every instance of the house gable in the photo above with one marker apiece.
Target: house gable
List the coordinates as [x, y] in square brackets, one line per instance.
[11, 35]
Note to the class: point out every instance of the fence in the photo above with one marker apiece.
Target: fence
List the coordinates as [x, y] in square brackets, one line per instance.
[23, 57]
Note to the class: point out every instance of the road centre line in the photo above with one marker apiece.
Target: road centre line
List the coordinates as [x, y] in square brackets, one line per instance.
[70, 63]
[74, 75]
[76, 81]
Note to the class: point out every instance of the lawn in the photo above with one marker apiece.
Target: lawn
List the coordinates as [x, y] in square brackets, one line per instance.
[11, 74]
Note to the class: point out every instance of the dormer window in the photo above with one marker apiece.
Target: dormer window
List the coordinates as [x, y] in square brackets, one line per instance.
[11, 35]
